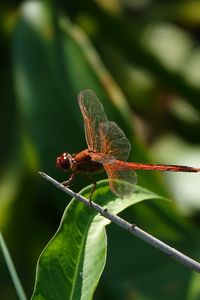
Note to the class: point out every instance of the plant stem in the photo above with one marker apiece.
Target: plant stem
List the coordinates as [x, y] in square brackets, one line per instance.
[172, 252]
[12, 270]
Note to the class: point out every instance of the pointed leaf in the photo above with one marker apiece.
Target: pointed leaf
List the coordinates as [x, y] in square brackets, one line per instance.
[73, 261]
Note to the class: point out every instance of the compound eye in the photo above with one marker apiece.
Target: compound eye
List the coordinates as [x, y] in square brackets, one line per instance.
[64, 161]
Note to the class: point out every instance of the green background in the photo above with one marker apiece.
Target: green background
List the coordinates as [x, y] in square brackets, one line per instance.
[142, 59]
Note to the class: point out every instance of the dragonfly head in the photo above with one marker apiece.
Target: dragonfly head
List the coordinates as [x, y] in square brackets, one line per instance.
[64, 161]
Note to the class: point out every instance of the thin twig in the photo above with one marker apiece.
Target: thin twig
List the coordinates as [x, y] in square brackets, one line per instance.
[180, 257]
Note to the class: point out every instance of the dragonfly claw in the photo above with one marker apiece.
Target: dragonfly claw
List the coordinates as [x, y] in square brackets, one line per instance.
[65, 183]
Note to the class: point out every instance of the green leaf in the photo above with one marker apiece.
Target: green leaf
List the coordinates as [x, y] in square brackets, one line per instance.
[51, 65]
[73, 261]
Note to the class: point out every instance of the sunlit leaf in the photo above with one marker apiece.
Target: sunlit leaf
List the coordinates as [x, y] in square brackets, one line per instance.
[71, 264]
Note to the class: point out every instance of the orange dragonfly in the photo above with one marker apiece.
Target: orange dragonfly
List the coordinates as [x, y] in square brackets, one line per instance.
[108, 149]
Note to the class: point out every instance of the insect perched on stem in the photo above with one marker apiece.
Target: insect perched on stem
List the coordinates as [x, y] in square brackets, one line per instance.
[108, 149]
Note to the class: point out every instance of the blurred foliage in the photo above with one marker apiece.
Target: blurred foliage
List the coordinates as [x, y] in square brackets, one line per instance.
[142, 59]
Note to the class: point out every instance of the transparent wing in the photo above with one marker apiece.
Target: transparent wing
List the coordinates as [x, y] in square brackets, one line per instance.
[103, 136]
[93, 115]
[113, 141]
[121, 180]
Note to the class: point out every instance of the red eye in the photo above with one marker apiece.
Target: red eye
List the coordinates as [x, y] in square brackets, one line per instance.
[64, 161]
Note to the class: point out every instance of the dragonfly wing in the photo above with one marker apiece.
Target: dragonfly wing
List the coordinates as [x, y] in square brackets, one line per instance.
[93, 115]
[102, 158]
[113, 141]
[122, 181]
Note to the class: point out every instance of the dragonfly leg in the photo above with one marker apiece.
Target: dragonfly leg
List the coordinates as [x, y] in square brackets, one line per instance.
[105, 210]
[93, 187]
[70, 180]
[132, 226]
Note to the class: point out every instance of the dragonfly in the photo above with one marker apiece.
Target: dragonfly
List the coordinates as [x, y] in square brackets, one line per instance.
[108, 149]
